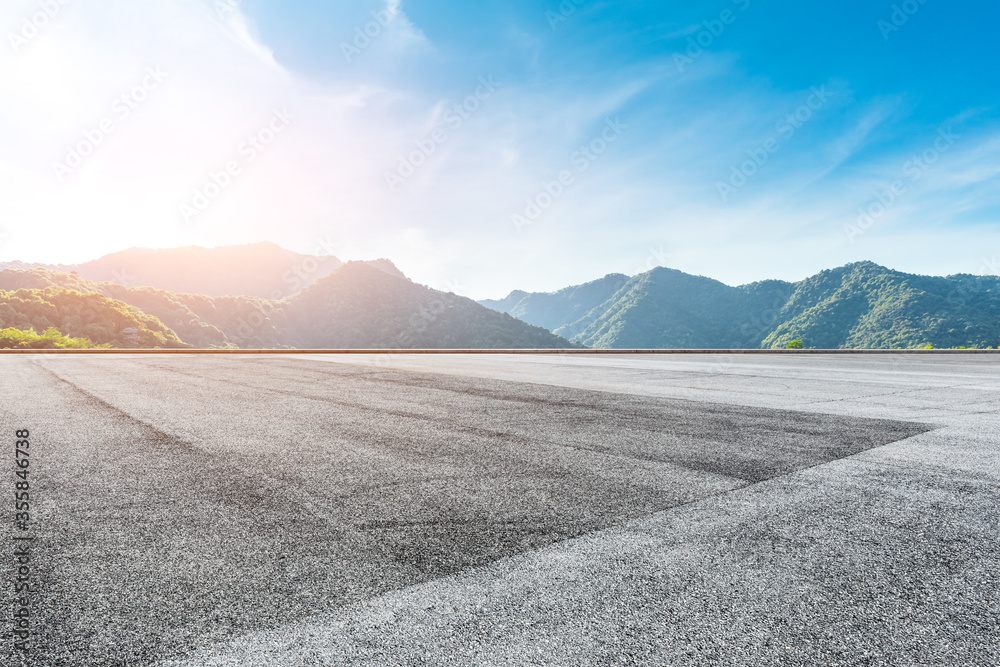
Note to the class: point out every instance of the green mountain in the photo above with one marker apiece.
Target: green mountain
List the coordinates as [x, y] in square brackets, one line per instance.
[18, 339]
[359, 305]
[865, 305]
[860, 305]
[92, 317]
[196, 319]
[555, 310]
[372, 305]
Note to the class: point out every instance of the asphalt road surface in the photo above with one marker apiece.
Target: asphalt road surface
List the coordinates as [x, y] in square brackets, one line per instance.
[314, 510]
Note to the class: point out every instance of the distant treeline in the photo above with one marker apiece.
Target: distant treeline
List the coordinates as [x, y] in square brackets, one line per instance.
[359, 305]
[88, 319]
[16, 339]
[859, 306]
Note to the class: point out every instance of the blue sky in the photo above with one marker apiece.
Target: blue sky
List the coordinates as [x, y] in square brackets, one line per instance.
[490, 146]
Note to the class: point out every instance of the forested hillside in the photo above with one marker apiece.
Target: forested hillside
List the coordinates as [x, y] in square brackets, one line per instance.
[557, 309]
[360, 305]
[372, 305]
[865, 305]
[93, 317]
[860, 305]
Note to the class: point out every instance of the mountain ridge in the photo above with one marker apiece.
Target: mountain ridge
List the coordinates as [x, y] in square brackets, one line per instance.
[262, 269]
[363, 305]
[323, 302]
[858, 305]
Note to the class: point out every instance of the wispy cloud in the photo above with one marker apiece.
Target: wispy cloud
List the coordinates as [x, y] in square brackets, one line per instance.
[325, 174]
[239, 29]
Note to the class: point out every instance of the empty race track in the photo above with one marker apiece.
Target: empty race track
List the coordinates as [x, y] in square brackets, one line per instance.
[464, 509]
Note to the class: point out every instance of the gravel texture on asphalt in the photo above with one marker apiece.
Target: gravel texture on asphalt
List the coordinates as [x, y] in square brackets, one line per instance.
[280, 510]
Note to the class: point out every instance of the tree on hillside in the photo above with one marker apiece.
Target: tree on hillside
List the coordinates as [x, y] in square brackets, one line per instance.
[51, 338]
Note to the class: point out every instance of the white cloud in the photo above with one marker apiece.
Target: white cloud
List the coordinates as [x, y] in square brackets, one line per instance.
[240, 31]
[222, 87]
[323, 176]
